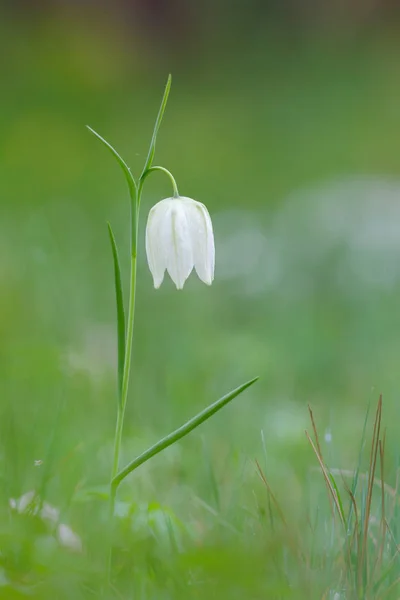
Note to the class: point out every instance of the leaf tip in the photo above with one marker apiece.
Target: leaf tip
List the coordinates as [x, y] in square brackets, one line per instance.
[246, 385]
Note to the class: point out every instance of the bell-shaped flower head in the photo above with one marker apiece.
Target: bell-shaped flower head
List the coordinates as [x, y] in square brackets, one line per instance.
[179, 236]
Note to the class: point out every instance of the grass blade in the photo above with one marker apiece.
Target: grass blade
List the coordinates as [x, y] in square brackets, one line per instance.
[371, 477]
[339, 499]
[181, 432]
[120, 311]
[357, 471]
[160, 115]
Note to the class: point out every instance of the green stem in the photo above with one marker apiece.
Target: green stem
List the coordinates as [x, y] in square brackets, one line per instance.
[163, 170]
[135, 206]
[123, 398]
[125, 380]
[135, 202]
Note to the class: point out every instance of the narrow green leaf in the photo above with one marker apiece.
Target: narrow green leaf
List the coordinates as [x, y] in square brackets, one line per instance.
[160, 115]
[208, 463]
[383, 577]
[120, 311]
[339, 499]
[131, 185]
[362, 445]
[179, 433]
[126, 170]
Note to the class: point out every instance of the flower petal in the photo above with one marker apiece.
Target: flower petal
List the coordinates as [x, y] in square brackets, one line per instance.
[175, 236]
[156, 254]
[202, 241]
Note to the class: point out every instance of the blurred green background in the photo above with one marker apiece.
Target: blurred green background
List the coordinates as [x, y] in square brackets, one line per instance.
[284, 120]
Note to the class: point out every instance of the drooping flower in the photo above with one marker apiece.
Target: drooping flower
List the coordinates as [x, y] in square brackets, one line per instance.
[179, 236]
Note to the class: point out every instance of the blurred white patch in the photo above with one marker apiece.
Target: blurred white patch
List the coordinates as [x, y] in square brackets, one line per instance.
[50, 513]
[30, 503]
[244, 249]
[68, 538]
[349, 228]
[95, 354]
[328, 436]
[286, 421]
[358, 219]
[21, 504]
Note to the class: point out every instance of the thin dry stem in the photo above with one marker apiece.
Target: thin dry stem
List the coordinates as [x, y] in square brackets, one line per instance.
[318, 445]
[327, 480]
[371, 476]
[382, 445]
[293, 539]
[389, 490]
[270, 492]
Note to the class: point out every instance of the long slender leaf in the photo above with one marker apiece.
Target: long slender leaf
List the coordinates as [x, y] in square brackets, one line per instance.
[357, 471]
[160, 115]
[338, 496]
[371, 476]
[179, 433]
[120, 311]
[133, 191]
[126, 170]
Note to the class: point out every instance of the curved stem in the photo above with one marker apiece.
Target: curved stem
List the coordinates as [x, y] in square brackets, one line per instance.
[135, 192]
[126, 342]
[163, 170]
[135, 206]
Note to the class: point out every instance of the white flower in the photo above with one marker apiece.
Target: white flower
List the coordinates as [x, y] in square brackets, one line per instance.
[179, 236]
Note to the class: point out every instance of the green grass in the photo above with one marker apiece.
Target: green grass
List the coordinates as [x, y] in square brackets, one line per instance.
[299, 304]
